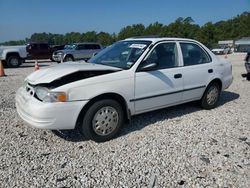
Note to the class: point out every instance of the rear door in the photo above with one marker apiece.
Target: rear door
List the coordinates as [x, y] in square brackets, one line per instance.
[89, 50]
[163, 86]
[197, 69]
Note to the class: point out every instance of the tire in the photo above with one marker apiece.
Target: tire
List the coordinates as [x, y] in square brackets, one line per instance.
[68, 58]
[51, 59]
[211, 96]
[13, 61]
[248, 76]
[106, 114]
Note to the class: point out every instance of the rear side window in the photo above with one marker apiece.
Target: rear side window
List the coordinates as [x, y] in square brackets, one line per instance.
[96, 46]
[193, 54]
[81, 47]
[92, 46]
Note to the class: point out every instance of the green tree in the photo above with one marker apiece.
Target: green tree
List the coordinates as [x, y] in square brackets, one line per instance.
[105, 38]
[131, 31]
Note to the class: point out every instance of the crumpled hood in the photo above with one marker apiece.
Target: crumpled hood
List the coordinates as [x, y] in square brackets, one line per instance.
[47, 75]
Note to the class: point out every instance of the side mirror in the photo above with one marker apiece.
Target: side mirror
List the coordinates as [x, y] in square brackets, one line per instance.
[147, 66]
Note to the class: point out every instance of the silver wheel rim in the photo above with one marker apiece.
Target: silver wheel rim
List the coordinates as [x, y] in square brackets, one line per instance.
[212, 95]
[14, 61]
[105, 121]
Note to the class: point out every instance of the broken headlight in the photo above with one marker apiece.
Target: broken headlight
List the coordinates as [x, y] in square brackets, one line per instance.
[46, 95]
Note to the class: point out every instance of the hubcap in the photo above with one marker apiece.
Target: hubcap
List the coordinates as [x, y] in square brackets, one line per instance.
[14, 61]
[212, 95]
[105, 121]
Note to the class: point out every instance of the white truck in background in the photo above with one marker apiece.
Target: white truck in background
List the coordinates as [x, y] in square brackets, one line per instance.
[13, 56]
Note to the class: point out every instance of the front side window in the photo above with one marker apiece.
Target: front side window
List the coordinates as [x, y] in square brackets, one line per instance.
[81, 47]
[122, 54]
[70, 47]
[193, 54]
[165, 55]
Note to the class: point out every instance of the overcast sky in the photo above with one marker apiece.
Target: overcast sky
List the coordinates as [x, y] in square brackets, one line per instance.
[21, 18]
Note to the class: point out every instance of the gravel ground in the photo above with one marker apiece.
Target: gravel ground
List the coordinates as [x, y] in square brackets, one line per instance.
[178, 146]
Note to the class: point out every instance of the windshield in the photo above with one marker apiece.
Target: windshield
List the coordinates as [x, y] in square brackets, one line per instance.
[122, 54]
[70, 47]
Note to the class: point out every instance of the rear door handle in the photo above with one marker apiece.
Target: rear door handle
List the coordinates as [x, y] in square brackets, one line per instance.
[176, 76]
[210, 70]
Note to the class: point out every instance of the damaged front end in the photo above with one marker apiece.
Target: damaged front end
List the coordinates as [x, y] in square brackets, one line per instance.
[43, 91]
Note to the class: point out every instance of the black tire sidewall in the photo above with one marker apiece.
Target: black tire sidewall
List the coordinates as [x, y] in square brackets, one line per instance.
[204, 102]
[248, 76]
[68, 57]
[86, 127]
[9, 59]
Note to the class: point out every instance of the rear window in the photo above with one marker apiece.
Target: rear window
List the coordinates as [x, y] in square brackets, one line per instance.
[43, 46]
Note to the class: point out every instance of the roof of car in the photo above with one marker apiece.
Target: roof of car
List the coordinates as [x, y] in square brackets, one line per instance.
[157, 39]
[86, 43]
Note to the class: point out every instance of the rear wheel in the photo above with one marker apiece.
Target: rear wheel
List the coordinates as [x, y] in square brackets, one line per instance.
[102, 120]
[211, 96]
[13, 61]
[248, 76]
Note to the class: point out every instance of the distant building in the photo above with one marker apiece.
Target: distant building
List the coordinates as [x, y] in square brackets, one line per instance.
[242, 45]
[226, 43]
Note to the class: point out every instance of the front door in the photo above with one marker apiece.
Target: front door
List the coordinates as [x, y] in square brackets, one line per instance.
[162, 86]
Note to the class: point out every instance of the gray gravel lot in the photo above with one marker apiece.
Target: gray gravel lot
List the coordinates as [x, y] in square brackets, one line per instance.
[182, 146]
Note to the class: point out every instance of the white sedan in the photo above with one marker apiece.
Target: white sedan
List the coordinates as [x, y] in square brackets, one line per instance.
[130, 77]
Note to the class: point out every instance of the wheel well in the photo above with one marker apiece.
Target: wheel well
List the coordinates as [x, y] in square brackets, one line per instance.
[218, 81]
[69, 55]
[11, 54]
[114, 96]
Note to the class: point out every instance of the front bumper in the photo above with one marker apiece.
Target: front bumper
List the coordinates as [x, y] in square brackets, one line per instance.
[59, 115]
[247, 65]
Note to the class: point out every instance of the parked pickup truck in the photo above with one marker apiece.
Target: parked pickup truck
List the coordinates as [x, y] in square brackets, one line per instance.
[76, 51]
[13, 56]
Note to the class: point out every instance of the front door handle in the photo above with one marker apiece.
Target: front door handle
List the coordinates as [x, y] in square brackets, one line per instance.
[176, 76]
[210, 70]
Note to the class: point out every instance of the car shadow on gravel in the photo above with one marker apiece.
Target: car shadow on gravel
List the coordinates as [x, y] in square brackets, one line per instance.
[227, 96]
[70, 135]
[140, 121]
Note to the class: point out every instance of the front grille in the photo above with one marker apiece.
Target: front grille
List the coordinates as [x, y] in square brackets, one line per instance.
[30, 90]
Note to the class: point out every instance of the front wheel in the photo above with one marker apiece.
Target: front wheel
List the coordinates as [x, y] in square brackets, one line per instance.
[248, 76]
[102, 120]
[68, 58]
[13, 61]
[211, 96]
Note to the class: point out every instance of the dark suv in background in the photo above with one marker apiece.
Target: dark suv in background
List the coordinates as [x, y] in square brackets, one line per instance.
[41, 50]
[247, 65]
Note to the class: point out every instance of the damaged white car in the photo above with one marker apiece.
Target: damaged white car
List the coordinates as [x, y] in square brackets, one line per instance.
[130, 77]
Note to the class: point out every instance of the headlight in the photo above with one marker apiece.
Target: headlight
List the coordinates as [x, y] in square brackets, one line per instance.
[46, 95]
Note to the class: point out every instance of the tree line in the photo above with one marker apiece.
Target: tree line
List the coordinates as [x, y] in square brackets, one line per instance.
[209, 33]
